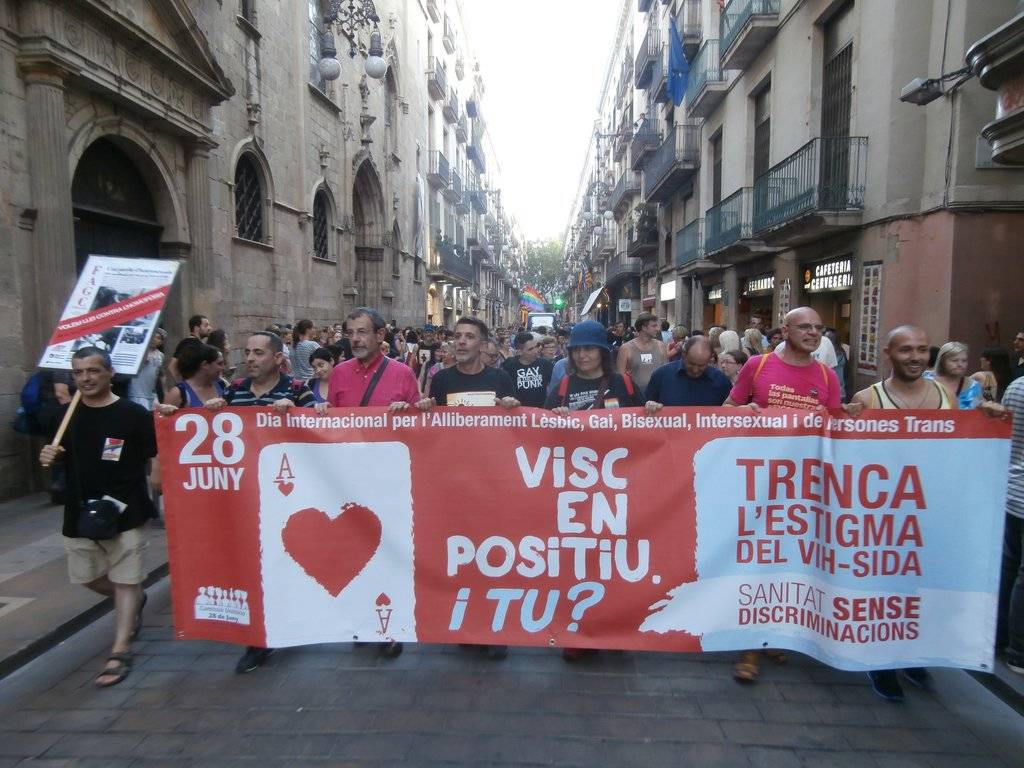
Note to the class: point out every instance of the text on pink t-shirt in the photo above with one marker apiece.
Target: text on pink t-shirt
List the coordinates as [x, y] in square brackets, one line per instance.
[771, 382]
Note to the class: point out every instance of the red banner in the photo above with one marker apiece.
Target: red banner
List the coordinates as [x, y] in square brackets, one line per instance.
[110, 316]
[696, 529]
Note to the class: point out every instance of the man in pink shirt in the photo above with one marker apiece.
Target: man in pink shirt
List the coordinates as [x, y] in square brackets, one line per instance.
[789, 378]
[370, 379]
[394, 386]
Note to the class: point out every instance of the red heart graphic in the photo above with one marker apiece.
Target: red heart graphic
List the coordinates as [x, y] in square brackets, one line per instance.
[285, 487]
[332, 552]
[383, 600]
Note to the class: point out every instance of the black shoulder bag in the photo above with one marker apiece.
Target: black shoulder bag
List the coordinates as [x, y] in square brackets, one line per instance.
[95, 519]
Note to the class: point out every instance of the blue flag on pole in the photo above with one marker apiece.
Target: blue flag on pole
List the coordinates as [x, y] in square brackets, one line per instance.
[678, 66]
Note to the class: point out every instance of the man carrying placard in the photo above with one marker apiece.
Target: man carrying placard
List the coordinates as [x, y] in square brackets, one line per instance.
[106, 444]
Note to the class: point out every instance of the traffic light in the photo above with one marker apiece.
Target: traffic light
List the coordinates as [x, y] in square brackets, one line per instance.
[558, 302]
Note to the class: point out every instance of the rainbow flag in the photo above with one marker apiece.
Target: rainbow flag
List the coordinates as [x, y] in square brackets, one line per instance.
[532, 299]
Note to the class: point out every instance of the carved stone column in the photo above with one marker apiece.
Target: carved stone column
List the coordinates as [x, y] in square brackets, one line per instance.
[201, 267]
[53, 237]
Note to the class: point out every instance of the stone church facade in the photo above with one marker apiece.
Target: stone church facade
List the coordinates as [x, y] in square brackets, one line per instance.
[201, 130]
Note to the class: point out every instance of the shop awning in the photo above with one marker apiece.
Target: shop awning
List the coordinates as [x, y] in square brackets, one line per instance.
[590, 301]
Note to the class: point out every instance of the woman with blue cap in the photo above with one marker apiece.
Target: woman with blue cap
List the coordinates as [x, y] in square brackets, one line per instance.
[591, 381]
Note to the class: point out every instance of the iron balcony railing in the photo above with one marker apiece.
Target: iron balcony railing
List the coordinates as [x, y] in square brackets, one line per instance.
[825, 174]
[680, 147]
[475, 152]
[706, 68]
[659, 76]
[432, 9]
[449, 227]
[690, 243]
[473, 231]
[643, 6]
[454, 192]
[451, 110]
[626, 74]
[729, 221]
[736, 15]
[621, 265]
[437, 80]
[462, 129]
[464, 204]
[478, 198]
[602, 244]
[646, 138]
[650, 47]
[439, 171]
[449, 35]
[640, 240]
[627, 186]
[455, 262]
[689, 21]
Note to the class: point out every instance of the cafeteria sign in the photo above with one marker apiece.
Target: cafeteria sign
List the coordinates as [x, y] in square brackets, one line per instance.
[829, 276]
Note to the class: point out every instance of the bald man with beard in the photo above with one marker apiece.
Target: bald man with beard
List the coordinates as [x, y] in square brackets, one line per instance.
[906, 348]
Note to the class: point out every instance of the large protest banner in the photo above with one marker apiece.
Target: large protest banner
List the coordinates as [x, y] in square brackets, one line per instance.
[867, 543]
[115, 306]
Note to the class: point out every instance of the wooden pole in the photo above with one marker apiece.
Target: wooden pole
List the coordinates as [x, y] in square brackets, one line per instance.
[67, 418]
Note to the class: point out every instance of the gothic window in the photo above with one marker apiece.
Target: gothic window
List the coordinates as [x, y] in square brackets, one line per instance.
[321, 227]
[248, 200]
[247, 10]
[315, 53]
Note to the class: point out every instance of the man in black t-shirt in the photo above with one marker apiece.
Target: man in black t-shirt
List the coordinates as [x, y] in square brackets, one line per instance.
[530, 373]
[469, 381]
[106, 447]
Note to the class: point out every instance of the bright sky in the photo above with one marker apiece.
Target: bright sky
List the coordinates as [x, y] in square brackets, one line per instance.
[543, 64]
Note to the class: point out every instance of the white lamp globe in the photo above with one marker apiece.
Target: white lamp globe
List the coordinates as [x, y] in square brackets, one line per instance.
[330, 68]
[376, 67]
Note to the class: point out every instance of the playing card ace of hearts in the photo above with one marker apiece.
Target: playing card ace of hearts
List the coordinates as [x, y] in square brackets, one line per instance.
[336, 535]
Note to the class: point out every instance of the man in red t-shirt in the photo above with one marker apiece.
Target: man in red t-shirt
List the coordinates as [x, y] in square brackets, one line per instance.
[790, 378]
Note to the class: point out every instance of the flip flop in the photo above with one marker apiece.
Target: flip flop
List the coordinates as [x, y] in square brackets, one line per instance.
[118, 673]
[745, 672]
[138, 617]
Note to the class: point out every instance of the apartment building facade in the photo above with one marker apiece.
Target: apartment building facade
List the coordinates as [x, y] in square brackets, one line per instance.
[205, 131]
[792, 174]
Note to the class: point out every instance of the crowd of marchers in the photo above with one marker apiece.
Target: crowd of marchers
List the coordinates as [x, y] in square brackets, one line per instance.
[109, 452]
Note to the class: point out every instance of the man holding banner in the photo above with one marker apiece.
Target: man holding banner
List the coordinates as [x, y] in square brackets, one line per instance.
[265, 386]
[106, 445]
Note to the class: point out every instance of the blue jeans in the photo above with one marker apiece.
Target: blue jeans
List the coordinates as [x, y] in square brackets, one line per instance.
[1010, 626]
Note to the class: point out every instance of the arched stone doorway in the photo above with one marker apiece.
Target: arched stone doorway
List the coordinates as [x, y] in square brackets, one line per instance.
[371, 242]
[113, 206]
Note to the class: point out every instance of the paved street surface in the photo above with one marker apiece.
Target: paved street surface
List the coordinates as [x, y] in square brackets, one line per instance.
[342, 706]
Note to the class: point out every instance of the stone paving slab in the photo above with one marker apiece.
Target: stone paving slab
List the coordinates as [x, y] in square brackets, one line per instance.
[337, 705]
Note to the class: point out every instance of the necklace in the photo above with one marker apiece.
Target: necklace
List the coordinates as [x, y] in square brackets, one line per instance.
[902, 404]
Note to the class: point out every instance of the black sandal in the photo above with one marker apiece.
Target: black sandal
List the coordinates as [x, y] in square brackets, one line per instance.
[138, 616]
[118, 673]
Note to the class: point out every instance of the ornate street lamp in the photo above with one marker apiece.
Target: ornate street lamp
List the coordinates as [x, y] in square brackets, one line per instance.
[351, 16]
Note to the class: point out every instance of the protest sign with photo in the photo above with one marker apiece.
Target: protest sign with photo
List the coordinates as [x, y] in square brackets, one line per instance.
[866, 543]
[115, 306]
